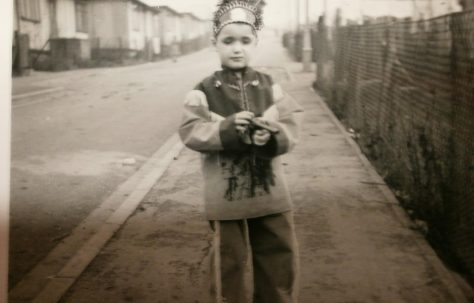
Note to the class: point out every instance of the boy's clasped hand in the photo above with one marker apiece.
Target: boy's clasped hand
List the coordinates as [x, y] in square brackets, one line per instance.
[242, 122]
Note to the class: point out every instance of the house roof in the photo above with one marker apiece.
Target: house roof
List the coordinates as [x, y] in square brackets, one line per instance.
[139, 2]
[192, 16]
[176, 13]
[169, 9]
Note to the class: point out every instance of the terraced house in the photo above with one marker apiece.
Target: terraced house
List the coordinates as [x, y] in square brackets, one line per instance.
[66, 34]
[50, 34]
[124, 29]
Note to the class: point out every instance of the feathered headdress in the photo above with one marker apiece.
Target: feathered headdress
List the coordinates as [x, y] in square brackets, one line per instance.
[238, 11]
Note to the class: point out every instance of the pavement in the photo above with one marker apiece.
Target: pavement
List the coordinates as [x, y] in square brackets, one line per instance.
[356, 242]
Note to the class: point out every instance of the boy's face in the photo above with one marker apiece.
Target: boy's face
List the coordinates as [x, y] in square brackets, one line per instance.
[235, 45]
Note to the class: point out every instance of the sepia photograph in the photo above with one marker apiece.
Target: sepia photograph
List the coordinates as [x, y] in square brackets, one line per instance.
[237, 151]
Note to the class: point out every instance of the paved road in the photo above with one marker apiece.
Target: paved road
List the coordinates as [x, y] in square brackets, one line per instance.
[68, 147]
[72, 147]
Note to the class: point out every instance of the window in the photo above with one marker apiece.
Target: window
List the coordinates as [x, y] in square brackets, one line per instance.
[30, 10]
[81, 17]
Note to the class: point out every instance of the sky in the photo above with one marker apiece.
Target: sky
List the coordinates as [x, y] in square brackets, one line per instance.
[201, 8]
[276, 12]
[282, 13]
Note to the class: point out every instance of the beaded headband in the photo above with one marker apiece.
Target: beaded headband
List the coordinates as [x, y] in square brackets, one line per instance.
[238, 11]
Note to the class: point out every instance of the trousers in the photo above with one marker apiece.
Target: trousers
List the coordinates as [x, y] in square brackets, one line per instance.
[255, 260]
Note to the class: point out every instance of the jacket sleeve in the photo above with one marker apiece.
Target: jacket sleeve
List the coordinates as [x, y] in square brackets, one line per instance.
[287, 115]
[204, 131]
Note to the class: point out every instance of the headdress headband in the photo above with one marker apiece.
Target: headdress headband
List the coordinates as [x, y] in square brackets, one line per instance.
[238, 11]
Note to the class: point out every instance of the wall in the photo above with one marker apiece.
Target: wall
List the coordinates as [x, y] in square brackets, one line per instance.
[108, 23]
[66, 20]
[178, 27]
[165, 27]
[136, 35]
[38, 32]
[140, 37]
[170, 27]
[190, 27]
[156, 32]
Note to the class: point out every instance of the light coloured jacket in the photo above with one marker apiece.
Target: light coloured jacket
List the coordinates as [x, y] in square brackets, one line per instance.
[240, 180]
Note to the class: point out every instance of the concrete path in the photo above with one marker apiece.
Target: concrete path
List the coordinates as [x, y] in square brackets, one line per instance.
[356, 243]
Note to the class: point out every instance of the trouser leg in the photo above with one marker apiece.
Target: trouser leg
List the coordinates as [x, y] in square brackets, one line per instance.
[229, 261]
[275, 258]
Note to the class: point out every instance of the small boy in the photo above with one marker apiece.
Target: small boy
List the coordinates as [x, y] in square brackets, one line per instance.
[241, 122]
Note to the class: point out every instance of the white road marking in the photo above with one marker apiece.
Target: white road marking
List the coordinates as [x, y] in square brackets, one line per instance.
[36, 93]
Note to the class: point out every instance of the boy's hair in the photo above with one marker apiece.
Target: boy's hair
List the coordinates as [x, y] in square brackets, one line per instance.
[238, 11]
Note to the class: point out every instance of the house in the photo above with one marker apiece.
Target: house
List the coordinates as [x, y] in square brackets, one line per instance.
[121, 29]
[32, 28]
[170, 29]
[65, 34]
[54, 32]
[33, 18]
[191, 26]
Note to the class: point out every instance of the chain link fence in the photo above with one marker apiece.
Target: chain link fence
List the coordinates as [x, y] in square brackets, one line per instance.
[406, 89]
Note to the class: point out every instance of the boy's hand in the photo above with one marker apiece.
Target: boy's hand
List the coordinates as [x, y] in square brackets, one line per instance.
[242, 120]
[260, 137]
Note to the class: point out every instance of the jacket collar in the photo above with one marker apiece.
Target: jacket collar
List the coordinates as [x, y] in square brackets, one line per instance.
[229, 76]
